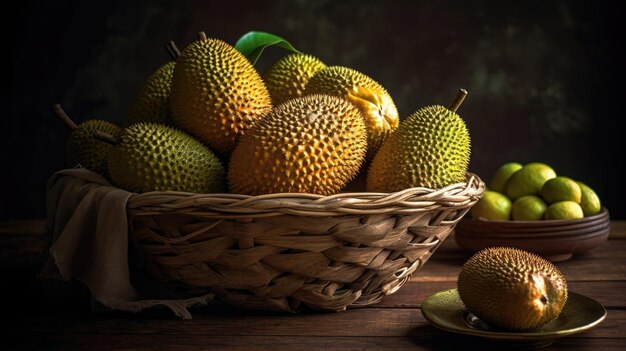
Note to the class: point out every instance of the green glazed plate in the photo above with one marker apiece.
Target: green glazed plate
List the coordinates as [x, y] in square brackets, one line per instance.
[445, 311]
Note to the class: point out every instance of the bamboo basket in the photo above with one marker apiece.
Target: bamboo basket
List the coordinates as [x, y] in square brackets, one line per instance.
[286, 251]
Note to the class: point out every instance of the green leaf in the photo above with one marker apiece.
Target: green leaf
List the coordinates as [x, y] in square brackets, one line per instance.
[252, 44]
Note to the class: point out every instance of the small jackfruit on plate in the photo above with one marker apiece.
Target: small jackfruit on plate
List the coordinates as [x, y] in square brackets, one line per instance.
[445, 310]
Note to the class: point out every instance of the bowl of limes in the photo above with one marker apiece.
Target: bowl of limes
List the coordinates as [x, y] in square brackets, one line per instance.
[531, 208]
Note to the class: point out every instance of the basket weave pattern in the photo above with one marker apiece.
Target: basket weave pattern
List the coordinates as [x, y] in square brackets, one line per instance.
[282, 251]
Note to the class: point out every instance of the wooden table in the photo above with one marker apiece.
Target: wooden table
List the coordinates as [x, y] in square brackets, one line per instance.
[395, 324]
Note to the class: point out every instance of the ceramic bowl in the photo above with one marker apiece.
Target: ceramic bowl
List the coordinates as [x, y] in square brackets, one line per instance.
[556, 240]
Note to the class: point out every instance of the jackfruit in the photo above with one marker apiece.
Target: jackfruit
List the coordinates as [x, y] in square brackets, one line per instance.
[431, 148]
[151, 104]
[376, 105]
[287, 77]
[81, 147]
[216, 94]
[154, 157]
[313, 144]
[512, 289]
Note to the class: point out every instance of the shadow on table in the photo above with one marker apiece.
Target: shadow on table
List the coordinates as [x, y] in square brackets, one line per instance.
[430, 338]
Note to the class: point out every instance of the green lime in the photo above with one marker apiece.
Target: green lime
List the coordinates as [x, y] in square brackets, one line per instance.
[528, 180]
[492, 205]
[564, 210]
[498, 182]
[528, 208]
[561, 189]
[589, 201]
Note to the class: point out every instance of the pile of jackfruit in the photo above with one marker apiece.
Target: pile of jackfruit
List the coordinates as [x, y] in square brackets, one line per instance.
[209, 122]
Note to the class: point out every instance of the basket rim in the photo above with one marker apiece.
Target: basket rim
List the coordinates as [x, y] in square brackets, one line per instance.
[453, 197]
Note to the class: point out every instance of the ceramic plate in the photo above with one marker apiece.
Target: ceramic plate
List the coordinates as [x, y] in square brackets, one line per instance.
[445, 311]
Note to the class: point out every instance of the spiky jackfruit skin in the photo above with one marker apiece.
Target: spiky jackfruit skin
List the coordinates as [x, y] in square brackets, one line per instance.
[216, 94]
[82, 148]
[512, 288]
[375, 103]
[154, 157]
[151, 104]
[313, 144]
[287, 78]
[431, 148]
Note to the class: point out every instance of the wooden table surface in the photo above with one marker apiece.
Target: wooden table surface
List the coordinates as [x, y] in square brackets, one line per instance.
[36, 321]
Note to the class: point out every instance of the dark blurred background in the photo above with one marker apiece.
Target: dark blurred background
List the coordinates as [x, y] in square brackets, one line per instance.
[545, 77]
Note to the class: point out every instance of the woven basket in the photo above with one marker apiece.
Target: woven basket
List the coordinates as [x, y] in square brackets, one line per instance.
[283, 251]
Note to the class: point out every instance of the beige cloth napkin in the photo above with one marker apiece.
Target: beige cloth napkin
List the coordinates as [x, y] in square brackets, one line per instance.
[88, 231]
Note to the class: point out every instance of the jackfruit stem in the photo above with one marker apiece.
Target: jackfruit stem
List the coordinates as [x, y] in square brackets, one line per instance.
[458, 100]
[63, 117]
[202, 35]
[172, 49]
[106, 137]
